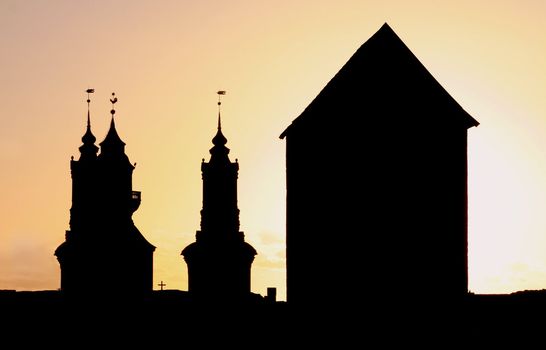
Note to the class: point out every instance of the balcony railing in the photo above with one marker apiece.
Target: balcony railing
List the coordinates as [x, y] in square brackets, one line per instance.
[135, 200]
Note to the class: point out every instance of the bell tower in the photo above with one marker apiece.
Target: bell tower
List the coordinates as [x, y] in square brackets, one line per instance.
[103, 246]
[219, 261]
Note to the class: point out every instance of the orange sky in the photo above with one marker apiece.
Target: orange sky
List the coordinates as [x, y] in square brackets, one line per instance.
[166, 59]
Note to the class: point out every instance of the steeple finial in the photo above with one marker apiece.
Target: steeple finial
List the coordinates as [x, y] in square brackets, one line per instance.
[219, 139]
[220, 93]
[89, 91]
[114, 99]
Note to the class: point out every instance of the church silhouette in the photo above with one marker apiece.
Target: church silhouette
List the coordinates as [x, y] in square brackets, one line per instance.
[103, 247]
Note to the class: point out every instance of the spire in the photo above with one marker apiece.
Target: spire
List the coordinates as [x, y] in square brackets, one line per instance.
[89, 137]
[220, 93]
[219, 140]
[112, 141]
[88, 149]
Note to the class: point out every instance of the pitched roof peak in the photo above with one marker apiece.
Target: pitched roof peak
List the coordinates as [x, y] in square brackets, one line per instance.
[386, 26]
[385, 33]
[381, 71]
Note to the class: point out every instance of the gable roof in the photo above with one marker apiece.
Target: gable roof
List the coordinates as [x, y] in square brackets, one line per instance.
[384, 65]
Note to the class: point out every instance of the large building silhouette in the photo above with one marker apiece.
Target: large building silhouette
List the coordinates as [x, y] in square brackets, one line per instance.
[376, 172]
[103, 251]
[219, 261]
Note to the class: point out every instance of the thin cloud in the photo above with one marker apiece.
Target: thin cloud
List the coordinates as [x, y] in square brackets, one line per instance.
[269, 237]
[264, 262]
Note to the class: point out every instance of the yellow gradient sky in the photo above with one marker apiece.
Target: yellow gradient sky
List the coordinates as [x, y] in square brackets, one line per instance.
[166, 59]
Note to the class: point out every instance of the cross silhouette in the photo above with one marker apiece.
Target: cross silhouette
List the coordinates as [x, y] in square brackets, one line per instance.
[161, 285]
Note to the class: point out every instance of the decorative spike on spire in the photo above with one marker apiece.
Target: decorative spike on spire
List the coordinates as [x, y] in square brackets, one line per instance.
[114, 99]
[220, 93]
[88, 137]
[89, 91]
[219, 139]
[88, 149]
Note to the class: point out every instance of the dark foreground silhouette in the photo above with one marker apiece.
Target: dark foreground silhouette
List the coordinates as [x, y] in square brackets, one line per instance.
[173, 318]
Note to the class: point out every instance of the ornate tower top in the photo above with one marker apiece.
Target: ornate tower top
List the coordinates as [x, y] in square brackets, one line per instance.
[112, 142]
[88, 150]
[220, 213]
[219, 152]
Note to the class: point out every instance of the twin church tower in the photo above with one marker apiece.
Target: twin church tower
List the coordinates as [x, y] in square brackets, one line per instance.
[104, 247]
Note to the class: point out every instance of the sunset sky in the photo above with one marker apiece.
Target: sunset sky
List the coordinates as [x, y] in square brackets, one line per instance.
[166, 59]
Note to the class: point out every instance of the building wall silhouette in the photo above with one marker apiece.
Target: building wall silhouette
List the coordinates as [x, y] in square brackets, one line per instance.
[376, 172]
[219, 261]
[103, 251]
